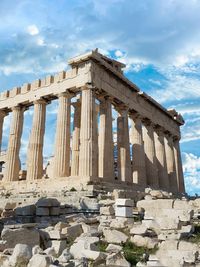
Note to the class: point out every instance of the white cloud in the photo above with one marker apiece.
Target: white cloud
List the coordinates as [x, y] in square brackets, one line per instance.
[191, 168]
[33, 29]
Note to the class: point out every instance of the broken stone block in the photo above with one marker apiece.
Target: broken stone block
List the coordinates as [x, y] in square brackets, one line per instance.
[112, 248]
[26, 236]
[124, 208]
[117, 259]
[21, 255]
[72, 231]
[141, 241]
[107, 210]
[114, 236]
[54, 211]
[48, 202]
[41, 211]
[138, 230]
[121, 223]
[58, 245]
[28, 210]
[40, 261]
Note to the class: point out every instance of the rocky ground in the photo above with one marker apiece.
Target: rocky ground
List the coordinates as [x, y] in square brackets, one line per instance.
[154, 230]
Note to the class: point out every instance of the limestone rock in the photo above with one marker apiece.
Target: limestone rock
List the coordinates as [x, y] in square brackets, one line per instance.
[138, 230]
[106, 202]
[114, 236]
[121, 223]
[37, 250]
[60, 225]
[141, 241]
[112, 248]
[107, 210]
[57, 245]
[42, 211]
[117, 259]
[26, 236]
[87, 203]
[73, 231]
[65, 256]
[50, 251]
[40, 261]
[28, 210]
[48, 202]
[21, 255]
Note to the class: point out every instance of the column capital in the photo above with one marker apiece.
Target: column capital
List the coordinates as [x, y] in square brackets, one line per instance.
[18, 108]
[87, 87]
[40, 101]
[122, 110]
[66, 94]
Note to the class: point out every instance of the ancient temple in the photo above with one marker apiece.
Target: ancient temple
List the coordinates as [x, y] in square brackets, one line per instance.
[146, 152]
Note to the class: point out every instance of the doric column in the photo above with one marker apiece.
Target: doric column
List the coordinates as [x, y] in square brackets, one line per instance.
[13, 164]
[106, 146]
[150, 158]
[88, 160]
[179, 169]
[76, 138]
[123, 147]
[171, 167]
[138, 155]
[2, 115]
[35, 146]
[161, 158]
[62, 138]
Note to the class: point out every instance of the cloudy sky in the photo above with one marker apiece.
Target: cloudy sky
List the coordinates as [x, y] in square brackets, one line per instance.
[158, 40]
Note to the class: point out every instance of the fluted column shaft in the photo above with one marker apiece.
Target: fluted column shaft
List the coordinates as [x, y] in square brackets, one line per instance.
[88, 160]
[106, 146]
[150, 155]
[138, 155]
[179, 169]
[35, 147]
[76, 139]
[161, 159]
[171, 167]
[62, 138]
[13, 164]
[123, 147]
[2, 115]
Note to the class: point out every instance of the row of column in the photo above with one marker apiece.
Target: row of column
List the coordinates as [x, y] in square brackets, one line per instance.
[155, 160]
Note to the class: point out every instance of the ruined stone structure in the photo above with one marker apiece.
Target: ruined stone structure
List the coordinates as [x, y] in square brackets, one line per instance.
[147, 155]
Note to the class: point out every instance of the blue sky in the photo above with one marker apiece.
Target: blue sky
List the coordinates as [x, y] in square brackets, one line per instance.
[158, 40]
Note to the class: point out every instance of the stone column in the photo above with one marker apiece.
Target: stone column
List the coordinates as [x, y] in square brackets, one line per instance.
[171, 167]
[76, 138]
[150, 154]
[179, 169]
[161, 158]
[123, 147]
[138, 155]
[13, 164]
[88, 160]
[35, 147]
[106, 146]
[62, 138]
[2, 115]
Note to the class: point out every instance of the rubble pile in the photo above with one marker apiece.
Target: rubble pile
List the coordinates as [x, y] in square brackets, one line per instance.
[157, 230]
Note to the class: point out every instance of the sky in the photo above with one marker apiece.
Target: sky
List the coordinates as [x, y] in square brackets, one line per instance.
[158, 40]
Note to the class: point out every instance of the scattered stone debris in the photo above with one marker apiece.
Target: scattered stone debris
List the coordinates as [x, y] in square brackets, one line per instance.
[153, 230]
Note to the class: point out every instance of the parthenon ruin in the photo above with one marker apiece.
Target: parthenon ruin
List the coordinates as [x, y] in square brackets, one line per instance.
[147, 154]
